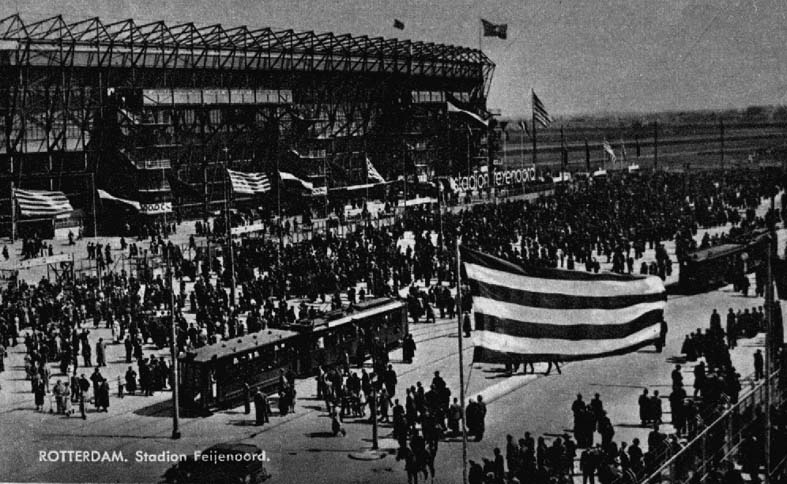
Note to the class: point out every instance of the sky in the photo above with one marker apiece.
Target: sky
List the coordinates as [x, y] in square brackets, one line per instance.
[580, 56]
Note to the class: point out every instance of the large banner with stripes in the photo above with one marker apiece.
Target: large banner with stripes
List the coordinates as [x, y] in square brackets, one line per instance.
[42, 203]
[540, 314]
[254, 183]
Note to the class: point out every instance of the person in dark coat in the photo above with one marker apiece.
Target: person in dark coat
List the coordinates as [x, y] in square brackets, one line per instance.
[471, 414]
[101, 353]
[246, 398]
[129, 347]
[40, 393]
[644, 408]
[131, 381]
[102, 399]
[656, 409]
[467, 325]
[480, 419]
[408, 349]
[261, 407]
[96, 378]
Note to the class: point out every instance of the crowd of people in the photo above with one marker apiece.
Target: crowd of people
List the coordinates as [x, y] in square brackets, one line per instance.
[615, 221]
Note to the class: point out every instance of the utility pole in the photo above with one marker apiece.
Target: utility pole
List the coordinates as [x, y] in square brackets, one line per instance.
[174, 351]
[205, 212]
[769, 303]
[459, 314]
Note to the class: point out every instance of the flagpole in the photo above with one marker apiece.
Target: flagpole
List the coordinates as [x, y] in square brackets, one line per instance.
[461, 358]
[93, 202]
[278, 209]
[522, 142]
[230, 245]
[13, 209]
[533, 123]
[480, 34]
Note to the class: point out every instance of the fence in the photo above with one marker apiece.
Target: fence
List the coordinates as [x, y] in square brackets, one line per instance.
[720, 441]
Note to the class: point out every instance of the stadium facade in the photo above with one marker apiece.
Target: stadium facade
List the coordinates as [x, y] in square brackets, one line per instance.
[153, 112]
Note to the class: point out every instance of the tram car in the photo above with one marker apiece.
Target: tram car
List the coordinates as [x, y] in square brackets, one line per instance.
[723, 264]
[213, 376]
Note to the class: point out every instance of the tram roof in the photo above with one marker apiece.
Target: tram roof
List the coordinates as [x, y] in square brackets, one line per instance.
[241, 344]
[714, 252]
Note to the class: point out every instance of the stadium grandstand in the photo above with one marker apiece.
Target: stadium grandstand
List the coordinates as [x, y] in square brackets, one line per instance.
[151, 114]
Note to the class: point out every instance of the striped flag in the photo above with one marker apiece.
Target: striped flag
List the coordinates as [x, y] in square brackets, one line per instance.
[540, 114]
[543, 314]
[249, 183]
[42, 203]
[608, 148]
[372, 174]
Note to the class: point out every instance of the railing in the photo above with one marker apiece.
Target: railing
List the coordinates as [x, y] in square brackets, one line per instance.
[720, 441]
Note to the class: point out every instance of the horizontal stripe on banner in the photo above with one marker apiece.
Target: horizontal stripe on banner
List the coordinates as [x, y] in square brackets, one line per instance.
[470, 256]
[559, 301]
[43, 203]
[485, 355]
[601, 288]
[562, 317]
[564, 348]
[572, 332]
[45, 209]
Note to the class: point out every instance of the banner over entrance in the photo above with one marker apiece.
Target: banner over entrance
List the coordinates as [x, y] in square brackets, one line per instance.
[498, 178]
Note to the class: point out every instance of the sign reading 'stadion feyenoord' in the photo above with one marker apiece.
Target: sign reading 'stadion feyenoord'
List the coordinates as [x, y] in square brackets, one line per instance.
[499, 178]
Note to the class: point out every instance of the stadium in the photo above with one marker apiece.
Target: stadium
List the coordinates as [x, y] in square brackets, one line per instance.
[151, 114]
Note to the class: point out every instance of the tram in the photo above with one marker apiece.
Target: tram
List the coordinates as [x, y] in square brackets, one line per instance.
[723, 264]
[213, 376]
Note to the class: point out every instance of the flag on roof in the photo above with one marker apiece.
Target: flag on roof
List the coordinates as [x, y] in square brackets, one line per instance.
[292, 182]
[608, 148]
[253, 183]
[372, 174]
[540, 114]
[398, 24]
[494, 30]
[42, 203]
[541, 314]
[104, 195]
[456, 106]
